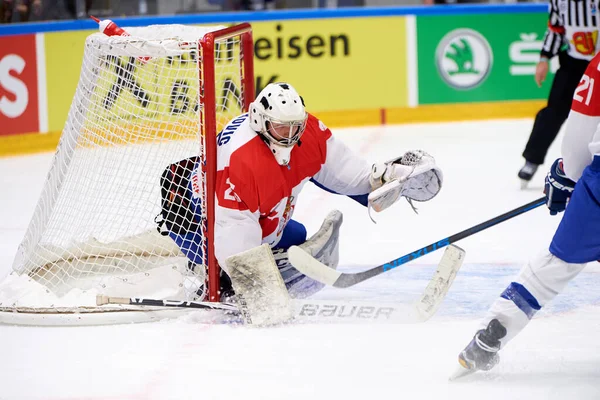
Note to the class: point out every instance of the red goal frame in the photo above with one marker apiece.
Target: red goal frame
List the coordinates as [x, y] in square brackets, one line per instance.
[208, 122]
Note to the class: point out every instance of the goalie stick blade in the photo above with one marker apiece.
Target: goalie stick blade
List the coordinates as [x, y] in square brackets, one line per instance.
[311, 267]
[353, 312]
[440, 283]
[428, 303]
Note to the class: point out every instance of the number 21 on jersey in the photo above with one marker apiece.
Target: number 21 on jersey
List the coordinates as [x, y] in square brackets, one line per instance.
[583, 93]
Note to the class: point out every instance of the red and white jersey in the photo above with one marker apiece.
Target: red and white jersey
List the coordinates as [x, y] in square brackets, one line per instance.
[582, 136]
[256, 196]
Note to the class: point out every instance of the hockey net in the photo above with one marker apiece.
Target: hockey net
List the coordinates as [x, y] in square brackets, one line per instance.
[144, 104]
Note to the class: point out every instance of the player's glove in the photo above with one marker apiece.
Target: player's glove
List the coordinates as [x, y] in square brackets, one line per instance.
[557, 188]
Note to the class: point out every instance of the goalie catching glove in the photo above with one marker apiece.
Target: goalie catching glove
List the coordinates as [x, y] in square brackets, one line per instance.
[414, 176]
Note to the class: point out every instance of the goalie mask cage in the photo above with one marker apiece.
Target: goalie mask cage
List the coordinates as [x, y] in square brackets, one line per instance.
[114, 198]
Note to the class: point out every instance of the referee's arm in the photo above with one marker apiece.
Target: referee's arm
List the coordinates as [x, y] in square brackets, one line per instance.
[555, 33]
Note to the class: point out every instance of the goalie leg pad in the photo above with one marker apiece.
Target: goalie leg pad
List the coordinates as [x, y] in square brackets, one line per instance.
[323, 245]
[260, 291]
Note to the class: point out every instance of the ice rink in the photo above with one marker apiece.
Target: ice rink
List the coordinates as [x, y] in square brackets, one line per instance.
[556, 357]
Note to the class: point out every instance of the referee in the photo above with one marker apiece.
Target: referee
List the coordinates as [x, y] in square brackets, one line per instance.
[572, 35]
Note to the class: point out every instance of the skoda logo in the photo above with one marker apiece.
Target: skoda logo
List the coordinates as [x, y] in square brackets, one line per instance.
[464, 59]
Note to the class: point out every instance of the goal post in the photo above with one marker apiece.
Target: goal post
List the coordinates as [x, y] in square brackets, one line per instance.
[247, 82]
[112, 216]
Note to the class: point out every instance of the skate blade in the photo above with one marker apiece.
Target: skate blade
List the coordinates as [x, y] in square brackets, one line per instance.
[524, 184]
[460, 372]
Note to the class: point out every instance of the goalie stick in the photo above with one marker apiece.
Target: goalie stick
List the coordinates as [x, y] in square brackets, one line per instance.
[336, 311]
[138, 301]
[311, 267]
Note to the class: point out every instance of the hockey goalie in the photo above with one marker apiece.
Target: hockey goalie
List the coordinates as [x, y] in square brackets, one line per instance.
[264, 159]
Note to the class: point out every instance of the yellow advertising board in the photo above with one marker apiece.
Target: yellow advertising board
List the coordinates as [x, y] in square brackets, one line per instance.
[350, 71]
[64, 55]
[348, 64]
[162, 90]
[336, 64]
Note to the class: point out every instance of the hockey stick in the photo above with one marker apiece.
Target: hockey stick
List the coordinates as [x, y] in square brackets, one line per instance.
[331, 311]
[137, 301]
[311, 267]
[336, 311]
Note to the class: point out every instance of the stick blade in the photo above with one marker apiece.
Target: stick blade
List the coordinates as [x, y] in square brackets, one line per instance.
[460, 372]
[438, 286]
[309, 266]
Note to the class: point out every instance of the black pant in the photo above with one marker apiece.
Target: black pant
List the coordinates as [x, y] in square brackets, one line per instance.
[550, 118]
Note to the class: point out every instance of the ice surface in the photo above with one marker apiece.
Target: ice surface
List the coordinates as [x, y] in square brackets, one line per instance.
[556, 357]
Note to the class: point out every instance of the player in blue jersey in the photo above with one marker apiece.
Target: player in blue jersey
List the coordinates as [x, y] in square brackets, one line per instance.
[572, 179]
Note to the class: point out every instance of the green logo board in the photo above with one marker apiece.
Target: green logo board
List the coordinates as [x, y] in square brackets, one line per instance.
[470, 58]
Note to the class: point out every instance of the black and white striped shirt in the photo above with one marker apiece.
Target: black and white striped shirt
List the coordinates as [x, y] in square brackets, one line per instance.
[573, 23]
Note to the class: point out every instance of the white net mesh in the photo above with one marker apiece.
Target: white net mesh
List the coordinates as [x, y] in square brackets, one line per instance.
[133, 136]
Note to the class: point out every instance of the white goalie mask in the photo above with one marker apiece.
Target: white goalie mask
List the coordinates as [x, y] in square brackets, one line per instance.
[279, 117]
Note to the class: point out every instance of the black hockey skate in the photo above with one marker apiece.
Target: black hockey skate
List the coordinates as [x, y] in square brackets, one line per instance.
[482, 353]
[227, 294]
[526, 173]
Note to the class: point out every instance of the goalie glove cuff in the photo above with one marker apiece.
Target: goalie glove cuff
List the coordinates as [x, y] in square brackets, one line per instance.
[382, 173]
[378, 175]
[384, 196]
